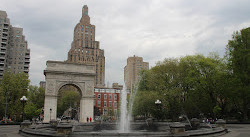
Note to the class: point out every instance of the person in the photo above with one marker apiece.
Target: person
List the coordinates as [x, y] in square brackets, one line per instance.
[87, 119]
[90, 119]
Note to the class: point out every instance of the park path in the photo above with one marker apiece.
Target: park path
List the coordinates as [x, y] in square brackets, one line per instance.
[9, 131]
[238, 130]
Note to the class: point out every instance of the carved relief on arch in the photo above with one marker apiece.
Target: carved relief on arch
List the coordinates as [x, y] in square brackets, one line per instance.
[89, 88]
[50, 88]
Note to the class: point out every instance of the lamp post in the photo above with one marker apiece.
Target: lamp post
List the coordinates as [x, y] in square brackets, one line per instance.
[50, 111]
[158, 104]
[6, 103]
[23, 100]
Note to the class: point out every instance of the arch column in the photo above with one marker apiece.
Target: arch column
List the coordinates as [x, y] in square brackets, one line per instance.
[86, 108]
[50, 102]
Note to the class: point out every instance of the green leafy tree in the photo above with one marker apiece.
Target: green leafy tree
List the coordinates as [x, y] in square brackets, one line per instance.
[35, 102]
[144, 105]
[66, 100]
[238, 55]
[209, 82]
[190, 85]
[13, 87]
[30, 110]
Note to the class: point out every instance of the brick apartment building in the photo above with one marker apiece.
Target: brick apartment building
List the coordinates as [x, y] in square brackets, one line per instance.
[107, 100]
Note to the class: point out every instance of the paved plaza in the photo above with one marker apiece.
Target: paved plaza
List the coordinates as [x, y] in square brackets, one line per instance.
[9, 131]
[238, 130]
[235, 130]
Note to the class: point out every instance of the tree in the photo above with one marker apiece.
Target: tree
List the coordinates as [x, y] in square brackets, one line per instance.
[238, 56]
[35, 102]
[190, 85]
[36, 96]
[155, 84]
[13, 87]
[203, 82]
[66, 100]
[144, 105]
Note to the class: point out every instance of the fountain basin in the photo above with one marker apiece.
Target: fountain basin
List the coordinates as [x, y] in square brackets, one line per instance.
[134, 126]
[109, 129]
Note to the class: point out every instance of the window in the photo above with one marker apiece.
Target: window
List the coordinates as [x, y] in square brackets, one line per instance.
[105, 96]
[110, 103]
[105, 111]
[115, 104]
[110, 96]
[99, 103]
[99, 96]
[115, 96]
[105, 103]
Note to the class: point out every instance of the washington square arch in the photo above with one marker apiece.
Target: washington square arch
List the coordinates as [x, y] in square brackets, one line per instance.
[58, 74]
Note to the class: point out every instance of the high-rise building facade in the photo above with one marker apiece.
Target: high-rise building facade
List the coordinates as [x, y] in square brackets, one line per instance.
[14, 53]
[84, 48]
[4, 33]
[132, 71]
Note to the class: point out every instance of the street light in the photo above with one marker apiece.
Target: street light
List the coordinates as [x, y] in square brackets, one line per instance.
[23, 100]
[158, 104]
[50, 111]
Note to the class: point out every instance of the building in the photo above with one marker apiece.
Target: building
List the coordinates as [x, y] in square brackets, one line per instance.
[117, 86]
[85, 49]
[14, 54]
[42, 84]
[107, 100]
[132, 71]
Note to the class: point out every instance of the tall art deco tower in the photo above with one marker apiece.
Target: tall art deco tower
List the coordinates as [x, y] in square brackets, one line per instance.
[84, 48]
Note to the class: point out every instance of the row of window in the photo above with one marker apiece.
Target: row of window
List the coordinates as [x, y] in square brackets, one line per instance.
[105, 111]
[15, 62]
[107, 90]
[110, 96]
[105, 104]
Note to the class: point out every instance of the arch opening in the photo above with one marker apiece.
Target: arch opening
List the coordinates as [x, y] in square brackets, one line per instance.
[68, 102]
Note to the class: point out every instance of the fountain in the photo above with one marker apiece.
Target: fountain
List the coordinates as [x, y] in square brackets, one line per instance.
[124, 120]
[124, 128]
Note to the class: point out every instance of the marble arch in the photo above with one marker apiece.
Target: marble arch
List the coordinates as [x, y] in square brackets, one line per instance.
[59, 73]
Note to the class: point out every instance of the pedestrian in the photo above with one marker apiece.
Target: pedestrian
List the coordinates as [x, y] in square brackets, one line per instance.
[90, 119]
[87, 119]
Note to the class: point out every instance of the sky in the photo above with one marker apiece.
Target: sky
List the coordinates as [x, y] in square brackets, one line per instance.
[152, 29]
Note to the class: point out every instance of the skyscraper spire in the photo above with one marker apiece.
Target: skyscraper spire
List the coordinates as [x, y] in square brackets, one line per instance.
[85, 10]
[85, 17]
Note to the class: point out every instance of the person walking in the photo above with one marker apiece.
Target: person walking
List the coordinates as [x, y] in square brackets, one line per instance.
[90, 119]
[87, 119]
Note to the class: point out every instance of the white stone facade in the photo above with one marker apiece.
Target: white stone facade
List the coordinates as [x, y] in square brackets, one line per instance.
[58, 74]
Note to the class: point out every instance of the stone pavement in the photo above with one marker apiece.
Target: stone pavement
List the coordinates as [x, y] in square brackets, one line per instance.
[238, 130]
[9, 131]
